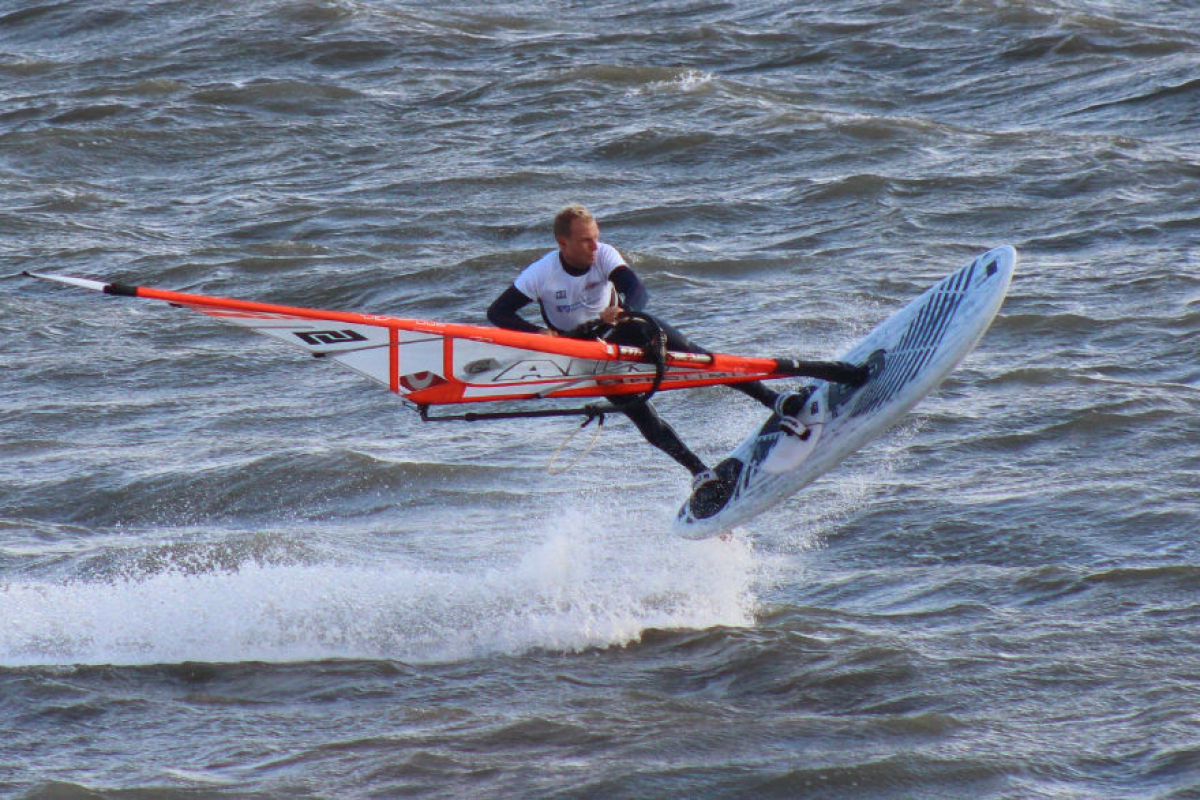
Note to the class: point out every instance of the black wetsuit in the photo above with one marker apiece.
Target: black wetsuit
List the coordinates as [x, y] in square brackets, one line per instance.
[633, 297]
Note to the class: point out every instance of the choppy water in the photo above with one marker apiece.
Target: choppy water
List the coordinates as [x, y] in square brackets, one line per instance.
[226, 570]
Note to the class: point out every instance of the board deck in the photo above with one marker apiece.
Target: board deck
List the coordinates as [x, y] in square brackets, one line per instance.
[910, 353]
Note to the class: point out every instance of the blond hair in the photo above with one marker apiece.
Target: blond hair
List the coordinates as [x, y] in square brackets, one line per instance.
[564, 219]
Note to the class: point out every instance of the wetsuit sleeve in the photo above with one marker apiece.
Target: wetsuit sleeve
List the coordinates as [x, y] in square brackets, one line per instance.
[633, 294]
[503, 312]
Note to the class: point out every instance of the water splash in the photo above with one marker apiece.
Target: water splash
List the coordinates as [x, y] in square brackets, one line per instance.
[577, 584]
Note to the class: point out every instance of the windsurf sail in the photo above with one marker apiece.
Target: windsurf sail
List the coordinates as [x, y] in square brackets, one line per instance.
[436, 363]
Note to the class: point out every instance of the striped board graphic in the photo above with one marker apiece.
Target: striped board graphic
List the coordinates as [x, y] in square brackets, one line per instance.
[910, 354]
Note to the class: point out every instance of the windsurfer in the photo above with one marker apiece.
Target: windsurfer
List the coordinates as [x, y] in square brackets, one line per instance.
[586, 289]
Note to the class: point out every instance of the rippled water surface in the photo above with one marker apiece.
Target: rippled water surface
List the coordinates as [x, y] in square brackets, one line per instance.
[228, 570]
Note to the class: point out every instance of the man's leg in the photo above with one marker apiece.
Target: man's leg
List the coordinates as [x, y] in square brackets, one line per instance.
[853, 375]
[680, 343]
[660, 434]
[759, 391]
[655, 430]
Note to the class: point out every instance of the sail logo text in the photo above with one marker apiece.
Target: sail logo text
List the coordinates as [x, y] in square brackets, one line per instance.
[329, 337]
[544, 368]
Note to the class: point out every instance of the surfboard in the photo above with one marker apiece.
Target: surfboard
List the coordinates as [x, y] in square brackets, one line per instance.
[908, 356]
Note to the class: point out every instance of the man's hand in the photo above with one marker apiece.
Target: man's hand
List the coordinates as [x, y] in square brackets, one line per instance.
[611, 315]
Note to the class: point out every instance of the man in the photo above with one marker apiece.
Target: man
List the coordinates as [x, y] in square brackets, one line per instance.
[585, 289]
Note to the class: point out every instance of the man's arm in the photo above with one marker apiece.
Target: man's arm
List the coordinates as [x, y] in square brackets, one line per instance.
[632, 293]
[503, 312]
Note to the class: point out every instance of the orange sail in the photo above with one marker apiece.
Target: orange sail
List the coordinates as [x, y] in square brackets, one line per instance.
[437, 363]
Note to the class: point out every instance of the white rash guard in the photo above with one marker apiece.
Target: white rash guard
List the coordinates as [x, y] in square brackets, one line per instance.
[568, 300]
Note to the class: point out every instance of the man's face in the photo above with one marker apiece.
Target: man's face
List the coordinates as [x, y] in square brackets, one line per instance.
[579, 248]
